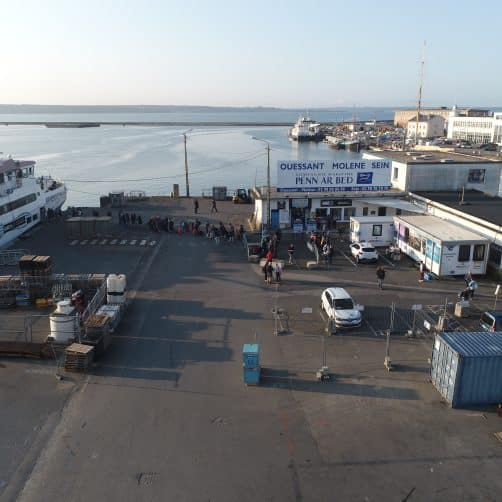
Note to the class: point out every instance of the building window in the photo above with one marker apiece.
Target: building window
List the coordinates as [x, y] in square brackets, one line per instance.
[382, 211]
[377, 231]
[479, 252]
[365, 211]
[399, 211]
[495, 255]
[349, 211]
[464, 252]
[395, 174]
[406, 234]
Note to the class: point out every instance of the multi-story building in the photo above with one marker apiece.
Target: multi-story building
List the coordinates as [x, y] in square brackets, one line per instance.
[427, 126]
[474, 128]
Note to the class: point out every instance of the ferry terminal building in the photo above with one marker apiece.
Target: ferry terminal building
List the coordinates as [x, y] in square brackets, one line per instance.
[407, 184]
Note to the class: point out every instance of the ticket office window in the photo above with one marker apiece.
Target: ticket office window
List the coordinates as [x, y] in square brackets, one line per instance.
[348, 212]
[336, 214]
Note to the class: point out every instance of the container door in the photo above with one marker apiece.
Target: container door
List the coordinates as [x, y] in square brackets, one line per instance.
[444, 369]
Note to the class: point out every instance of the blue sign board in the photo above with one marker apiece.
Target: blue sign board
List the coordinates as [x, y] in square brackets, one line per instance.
[362, 175]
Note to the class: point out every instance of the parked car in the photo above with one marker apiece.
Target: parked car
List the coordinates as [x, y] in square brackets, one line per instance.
[341, 308]
[489, 147]
[364, 252]
[491, 320]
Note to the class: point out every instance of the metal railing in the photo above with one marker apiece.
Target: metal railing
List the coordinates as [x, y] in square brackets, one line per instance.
[12, 256]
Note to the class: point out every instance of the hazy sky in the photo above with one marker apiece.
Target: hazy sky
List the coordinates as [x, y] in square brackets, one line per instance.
[244, 53]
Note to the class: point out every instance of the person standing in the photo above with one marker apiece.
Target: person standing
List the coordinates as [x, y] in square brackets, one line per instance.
[195, 206]
[380, 273]
[214, 209]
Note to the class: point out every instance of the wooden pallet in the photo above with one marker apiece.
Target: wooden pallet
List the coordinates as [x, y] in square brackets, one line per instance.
[78, 357]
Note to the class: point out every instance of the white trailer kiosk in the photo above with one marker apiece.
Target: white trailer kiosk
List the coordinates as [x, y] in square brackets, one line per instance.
[444, 247]
[377, 230]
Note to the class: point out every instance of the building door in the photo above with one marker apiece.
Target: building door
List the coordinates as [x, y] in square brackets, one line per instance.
[274, 218]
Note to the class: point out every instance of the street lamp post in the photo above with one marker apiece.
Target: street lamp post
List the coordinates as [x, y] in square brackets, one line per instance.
[268, 179]
[186, 162]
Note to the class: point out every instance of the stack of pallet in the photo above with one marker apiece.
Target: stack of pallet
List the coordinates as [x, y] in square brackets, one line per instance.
[78, 357]
[97, 333]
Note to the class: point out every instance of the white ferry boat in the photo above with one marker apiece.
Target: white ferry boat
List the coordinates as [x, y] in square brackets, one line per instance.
[24, 199]
[306, 129]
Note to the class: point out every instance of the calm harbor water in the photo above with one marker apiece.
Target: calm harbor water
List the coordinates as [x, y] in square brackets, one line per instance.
[95, 161]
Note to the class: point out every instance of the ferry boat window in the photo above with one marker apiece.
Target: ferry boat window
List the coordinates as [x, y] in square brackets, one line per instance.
[395, 174]
[349, 211]
[479, 252]
[382, 211]
[365, 211]
[464, 252]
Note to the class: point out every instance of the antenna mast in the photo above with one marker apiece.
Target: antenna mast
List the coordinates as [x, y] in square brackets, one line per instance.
[419, 104]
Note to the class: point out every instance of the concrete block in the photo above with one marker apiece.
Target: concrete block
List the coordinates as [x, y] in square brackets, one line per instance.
[254, 258]
[312, 264]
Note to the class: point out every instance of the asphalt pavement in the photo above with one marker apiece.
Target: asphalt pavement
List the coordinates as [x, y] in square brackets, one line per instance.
[165, 415]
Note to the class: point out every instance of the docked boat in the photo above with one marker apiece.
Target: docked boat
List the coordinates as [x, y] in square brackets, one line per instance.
[306, 129]
[25, 200]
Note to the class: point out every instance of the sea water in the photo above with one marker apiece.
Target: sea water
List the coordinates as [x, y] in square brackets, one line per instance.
[95, 161]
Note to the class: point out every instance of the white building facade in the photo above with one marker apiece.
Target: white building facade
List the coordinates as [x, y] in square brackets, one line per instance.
[476, 130]
[429, 126]
[436, 172]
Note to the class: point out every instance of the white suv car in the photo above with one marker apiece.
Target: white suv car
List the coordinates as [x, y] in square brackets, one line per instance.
[362, 251]
[340, 307]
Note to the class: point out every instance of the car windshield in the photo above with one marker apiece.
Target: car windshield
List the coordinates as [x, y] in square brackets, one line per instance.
[344, 304]
[368, 250]
[487, 319]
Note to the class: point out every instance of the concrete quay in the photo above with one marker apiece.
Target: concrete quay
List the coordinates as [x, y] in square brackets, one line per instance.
[165, 414]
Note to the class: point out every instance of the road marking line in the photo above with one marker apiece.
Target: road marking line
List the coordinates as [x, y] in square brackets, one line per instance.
[388, 261]
[355, 265]
[371, 328]
[73, 243]
[113, 242]
[103, 242]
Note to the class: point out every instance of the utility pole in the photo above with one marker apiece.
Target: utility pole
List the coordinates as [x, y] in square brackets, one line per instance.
[267, 148]
[186, 163]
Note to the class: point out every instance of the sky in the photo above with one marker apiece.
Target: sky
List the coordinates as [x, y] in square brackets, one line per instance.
[306, 53]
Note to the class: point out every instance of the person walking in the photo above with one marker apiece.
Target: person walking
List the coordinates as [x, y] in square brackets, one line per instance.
[278, 272]
[214, 209]
[270, 272]
[265, 271]
[195, 206]
[325, 253]
[331, 252]
[380, 273]
[291, 252]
